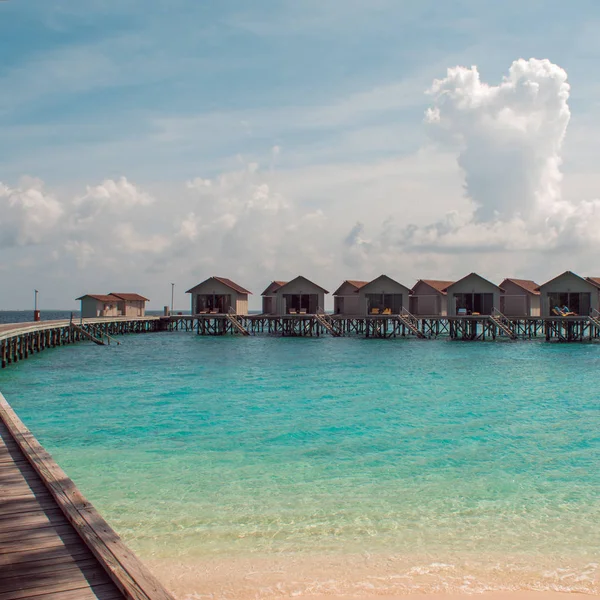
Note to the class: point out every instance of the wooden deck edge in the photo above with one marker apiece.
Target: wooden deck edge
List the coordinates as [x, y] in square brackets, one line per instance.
[46, 325]
[125, 569]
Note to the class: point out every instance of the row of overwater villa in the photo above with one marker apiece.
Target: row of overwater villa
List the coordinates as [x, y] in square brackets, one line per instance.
[567, 294]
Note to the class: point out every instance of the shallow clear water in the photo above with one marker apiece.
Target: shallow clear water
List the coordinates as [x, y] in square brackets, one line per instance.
[200, 447]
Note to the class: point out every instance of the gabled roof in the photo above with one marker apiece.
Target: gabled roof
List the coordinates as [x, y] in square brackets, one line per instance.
[527, 284]
[129, 297]
[437, 284]
[594, 280]
[305, 279]
[384, 277]
[355, 283]
[230, 284]
[273, 287]
[100, 297]
[471, 275]
[587, 280]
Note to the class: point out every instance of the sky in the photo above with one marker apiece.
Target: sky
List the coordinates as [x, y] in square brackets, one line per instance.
[158, 142]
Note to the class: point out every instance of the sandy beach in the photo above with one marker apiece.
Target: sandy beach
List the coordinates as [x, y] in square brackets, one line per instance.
[366, 578]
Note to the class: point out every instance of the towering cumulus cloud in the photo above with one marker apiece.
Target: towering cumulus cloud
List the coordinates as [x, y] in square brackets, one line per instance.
[508, 140]
[508, 136]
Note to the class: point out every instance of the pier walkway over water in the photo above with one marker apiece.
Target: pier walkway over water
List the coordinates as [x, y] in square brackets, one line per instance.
[53, 543]
[19, 340]
[404, 325]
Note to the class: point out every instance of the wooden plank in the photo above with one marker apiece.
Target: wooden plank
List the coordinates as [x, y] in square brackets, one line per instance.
[34, 519]
[25, 470]
[15, 475]
[18, 489]
[13, 503]
[96, 592]
[16, 505]
[41, 531]
[60, 581]
[48, 566]
[32, 544]
[9, 461]
[33, 556]
[7, 442]
[9, 451]
[127, 572]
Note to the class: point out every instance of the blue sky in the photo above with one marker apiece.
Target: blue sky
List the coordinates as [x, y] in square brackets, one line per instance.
[320, 101]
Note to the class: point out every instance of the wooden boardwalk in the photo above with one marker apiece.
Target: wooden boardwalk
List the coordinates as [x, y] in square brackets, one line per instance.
[19, 340]
[53, 543]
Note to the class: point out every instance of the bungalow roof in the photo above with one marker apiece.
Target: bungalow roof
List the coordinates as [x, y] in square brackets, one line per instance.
[380, 277]
[100, 297]
[228, 282]
[594, 280]
[273, 287]
[437, 284]
[353, 282]
[471, 275]
[130, 297]
[527, 284]
[305, 279]
[588, 279]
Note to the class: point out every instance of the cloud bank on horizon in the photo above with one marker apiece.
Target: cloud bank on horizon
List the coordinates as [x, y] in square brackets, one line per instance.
[255, 224]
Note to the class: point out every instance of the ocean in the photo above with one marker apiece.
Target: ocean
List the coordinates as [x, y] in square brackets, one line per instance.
[332, 464]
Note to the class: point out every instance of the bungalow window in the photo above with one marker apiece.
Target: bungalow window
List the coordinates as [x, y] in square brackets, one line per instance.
[577, 302]
[207, 303]
[301, 303]
[382, 304]
[474, 303]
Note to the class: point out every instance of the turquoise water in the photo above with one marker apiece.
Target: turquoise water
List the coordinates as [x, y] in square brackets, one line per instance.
[232, 447]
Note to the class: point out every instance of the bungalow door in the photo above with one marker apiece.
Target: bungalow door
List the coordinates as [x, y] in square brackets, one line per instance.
[488, 304]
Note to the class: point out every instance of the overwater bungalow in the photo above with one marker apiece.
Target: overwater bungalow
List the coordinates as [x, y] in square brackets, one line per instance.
[596, 282]
[569, 294]
[429, 298]
[112, 305]
[131, 305]
[346, 300]
[300, 296]
[269, 298]
[219, 295]
[521, 298]
[99, 305]
[383, 296]
[473, 295]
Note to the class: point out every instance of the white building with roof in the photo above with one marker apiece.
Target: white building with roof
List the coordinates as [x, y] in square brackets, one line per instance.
[346, 300]
[219, 295]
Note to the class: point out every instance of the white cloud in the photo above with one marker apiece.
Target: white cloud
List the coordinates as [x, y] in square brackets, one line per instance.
[508, 141]
[198, 183]
[28, 215]
[82, 251]
[509, 136]
[110, 197]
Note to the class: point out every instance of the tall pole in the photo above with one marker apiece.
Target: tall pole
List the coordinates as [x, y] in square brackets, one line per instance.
[36, 312]
[172, 296]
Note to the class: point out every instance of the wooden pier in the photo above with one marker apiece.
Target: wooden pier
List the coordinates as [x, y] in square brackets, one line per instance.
[19, 340]
[53, 543]
[466, 328]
